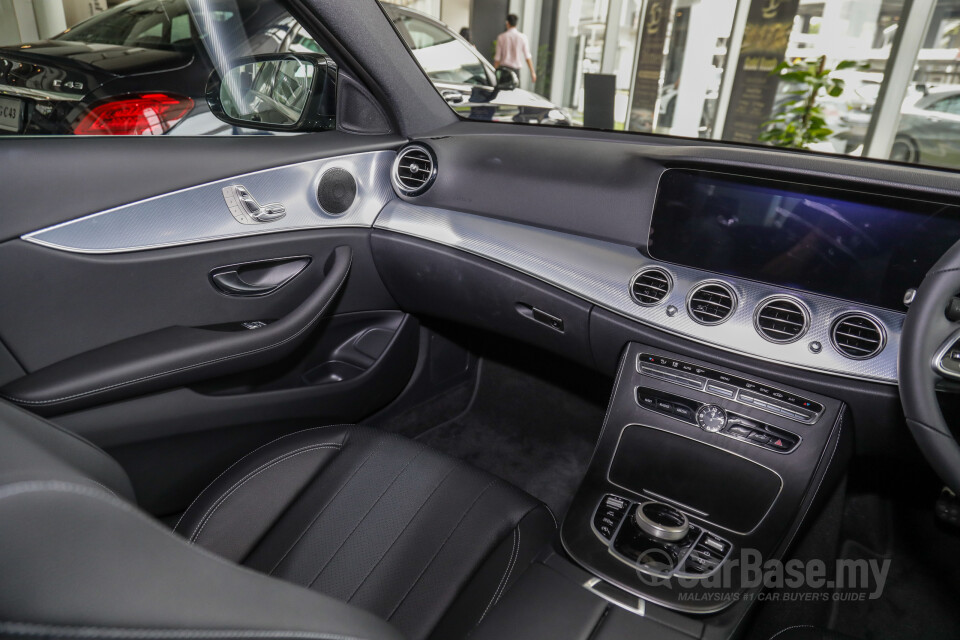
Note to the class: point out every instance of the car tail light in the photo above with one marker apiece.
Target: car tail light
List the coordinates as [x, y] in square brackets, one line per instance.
[149, 114]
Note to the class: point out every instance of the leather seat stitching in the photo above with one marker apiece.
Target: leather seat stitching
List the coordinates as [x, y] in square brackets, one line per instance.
[236, 487]
[556, 525]
[796, 626]
[17, 488]
[260, 448]
[160, 374]
[440, 548]
[85, 631]
[317, 517]
[514, 552]
[453, 467]
[370, 510]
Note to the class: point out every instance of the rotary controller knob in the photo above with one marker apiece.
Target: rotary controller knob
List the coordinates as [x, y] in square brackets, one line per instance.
[711, 418]
[661, 521]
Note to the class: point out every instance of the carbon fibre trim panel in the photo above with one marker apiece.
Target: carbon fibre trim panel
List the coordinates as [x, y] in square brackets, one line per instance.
[199, 214]
[601, 272]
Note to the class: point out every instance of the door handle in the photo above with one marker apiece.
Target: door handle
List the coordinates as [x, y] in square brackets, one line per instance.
[452, 96]
[258, 278]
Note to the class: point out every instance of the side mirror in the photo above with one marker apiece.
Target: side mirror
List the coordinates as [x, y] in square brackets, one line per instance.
[276, 92]
[507, 79]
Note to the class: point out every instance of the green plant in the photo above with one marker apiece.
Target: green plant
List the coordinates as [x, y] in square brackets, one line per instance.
[798, 121]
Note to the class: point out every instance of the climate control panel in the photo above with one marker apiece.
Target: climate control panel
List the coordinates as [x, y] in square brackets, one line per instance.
[730, 387]
[715, 419]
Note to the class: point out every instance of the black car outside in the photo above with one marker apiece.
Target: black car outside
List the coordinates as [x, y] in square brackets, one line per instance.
[137, 69]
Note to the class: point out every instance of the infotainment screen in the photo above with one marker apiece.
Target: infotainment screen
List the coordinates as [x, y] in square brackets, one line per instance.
[856, 246]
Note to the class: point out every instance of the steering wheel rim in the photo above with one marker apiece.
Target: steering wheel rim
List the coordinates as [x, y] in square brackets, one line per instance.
[926, 332]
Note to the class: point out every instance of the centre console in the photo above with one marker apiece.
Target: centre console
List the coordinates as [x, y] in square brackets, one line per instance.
[696, 466]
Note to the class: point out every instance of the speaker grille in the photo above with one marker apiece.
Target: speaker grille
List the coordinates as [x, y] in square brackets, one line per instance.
[414, 170]
[337, 190]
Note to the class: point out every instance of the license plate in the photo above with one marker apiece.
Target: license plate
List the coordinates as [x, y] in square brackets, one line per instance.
[11, 110]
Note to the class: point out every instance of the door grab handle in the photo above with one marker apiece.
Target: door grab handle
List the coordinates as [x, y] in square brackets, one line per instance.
[231, 281]
[259, 278]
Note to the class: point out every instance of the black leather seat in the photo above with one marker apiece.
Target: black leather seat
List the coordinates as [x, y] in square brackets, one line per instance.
[369, 533]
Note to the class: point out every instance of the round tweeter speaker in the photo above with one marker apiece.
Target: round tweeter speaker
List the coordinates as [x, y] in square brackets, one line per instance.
[337, 190]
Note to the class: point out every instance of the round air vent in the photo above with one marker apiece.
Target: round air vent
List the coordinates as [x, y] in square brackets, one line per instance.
[414, 170]
[781, 319]
[711, 302]
[650, 286]
[858, 336]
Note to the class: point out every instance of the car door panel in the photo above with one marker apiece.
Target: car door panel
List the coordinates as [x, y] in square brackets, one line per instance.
[196, 214]
[84, 175]
[177, 355]
[92, 301]
[126, 265]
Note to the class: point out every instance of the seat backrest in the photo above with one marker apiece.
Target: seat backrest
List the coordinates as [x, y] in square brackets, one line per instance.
[79, 559]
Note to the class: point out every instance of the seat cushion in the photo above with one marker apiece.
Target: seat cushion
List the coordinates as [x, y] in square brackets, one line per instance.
[420, 539]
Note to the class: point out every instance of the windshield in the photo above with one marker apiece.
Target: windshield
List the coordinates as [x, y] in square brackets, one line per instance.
[859, 78]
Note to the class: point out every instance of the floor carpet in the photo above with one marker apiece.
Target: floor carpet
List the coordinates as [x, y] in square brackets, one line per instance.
[534, 430]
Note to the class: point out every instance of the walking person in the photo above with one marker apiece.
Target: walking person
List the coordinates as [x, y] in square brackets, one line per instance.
[513, 49]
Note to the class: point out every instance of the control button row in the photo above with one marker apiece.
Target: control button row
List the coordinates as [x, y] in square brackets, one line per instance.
[773, 407]
[676, 377]
[706, 555]
[668, 404]
[609, 514]
[762, 435]
[727, 386]
[731, 425]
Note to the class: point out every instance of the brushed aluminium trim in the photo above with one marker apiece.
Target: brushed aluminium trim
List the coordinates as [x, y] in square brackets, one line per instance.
[942, 352]
[39, 94]
[600, 272]
[199, 214]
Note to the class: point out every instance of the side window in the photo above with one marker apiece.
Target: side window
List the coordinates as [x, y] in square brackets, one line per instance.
[442, 55]
[949, 105]
[142, 68]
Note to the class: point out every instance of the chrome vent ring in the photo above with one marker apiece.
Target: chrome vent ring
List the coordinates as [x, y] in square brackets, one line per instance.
[781, 319]
[651, 286]
[414, 170]
[711, 302]
[858, 336]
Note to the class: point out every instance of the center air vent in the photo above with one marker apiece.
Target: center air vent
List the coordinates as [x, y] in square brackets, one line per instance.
[857, 336]
[781, 320]
[711, 302]
[650, 286]
[414, 170]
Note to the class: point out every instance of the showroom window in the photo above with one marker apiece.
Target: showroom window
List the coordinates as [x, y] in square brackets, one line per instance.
[143, 67]
[861, 78]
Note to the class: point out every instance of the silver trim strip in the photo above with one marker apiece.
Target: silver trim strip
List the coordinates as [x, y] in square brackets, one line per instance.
[639, 610]
[600, 272]
[199, 214]
[942, 352]
[39, 94]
